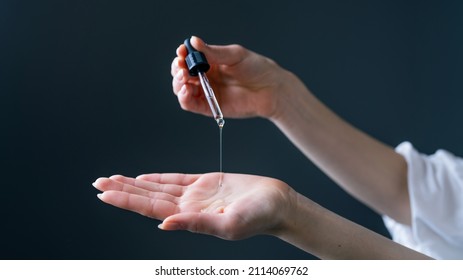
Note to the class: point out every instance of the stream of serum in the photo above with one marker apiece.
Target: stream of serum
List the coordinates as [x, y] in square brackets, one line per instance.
[220, 122]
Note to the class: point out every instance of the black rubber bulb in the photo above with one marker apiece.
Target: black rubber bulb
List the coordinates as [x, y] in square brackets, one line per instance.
[195, 60]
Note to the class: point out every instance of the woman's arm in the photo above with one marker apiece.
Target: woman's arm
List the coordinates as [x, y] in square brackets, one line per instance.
[366, 168]
[329, 236]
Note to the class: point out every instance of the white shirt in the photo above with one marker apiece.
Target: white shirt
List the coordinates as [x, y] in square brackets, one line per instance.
[435, 185]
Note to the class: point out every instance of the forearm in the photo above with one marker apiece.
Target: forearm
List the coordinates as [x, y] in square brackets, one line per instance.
[326, 235]
[371, 171]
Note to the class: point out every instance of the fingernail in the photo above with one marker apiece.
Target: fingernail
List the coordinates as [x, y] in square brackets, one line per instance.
[161, 226]
[94, 183]
[99, 195]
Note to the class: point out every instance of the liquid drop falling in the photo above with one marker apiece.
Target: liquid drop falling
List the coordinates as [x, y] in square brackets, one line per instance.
[221, 123]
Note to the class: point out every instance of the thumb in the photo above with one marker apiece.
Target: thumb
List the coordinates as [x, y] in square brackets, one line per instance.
[206, 223]
[215, 54]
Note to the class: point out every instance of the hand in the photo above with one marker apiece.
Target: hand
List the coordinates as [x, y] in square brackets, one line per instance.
[245, 83]
[243, 206]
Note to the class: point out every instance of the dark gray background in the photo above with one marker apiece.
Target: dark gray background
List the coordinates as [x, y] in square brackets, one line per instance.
[85, 92]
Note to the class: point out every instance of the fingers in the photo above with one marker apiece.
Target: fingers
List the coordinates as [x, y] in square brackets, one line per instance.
[168, 188]
[169, 192]
[180, 74]
[175, 66]
[158, 199]
[182, 79]
[170, 178]
[190, 99]
[153, 208]
[178, 80]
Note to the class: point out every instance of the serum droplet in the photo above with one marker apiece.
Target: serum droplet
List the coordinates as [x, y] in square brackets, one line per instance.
[220, 122]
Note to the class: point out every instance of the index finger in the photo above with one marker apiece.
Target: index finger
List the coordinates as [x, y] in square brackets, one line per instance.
[153, 208]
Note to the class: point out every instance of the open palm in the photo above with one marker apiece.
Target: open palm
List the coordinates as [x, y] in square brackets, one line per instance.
[244, 205]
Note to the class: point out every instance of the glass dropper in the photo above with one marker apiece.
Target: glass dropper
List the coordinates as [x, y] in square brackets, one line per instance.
[198, 66]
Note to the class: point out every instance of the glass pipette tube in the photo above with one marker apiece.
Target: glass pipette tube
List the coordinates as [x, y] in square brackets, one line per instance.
[198, 66]
[210, 97]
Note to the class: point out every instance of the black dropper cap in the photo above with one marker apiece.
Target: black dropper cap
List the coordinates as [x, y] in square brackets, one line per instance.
[195, 60]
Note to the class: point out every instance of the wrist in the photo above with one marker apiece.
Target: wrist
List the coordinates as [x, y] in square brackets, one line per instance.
[298, 218]
[290, 95]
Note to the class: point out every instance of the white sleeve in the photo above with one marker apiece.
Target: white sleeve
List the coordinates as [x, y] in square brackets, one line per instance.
[435, 185]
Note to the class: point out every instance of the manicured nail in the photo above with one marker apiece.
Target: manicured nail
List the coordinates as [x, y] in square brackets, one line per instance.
[99, 195]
